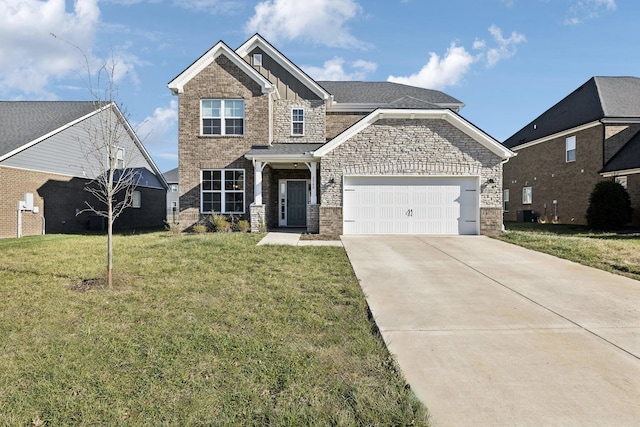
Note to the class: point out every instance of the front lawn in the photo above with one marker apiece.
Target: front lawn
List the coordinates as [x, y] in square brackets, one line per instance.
[198, 330]
[617, 252]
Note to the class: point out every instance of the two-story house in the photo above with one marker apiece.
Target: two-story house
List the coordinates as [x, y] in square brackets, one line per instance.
[590, 135]
[260, 138]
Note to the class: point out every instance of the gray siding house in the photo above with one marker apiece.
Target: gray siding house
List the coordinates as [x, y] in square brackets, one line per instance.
[259, 138]
[173, 196]
[45, 161]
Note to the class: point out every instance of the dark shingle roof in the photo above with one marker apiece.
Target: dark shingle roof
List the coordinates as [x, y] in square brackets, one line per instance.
[171, 176]
[627, 158]
[284, 149]
[599, 97]
[25, 121]
[387, 94]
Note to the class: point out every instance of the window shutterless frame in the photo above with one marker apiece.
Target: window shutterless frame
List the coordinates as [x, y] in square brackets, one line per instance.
[222, 191]
[570, 149]
[297, 122]
[222, 117]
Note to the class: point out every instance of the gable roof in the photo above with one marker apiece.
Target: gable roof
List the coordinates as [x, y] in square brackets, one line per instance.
[24, 122]
[177, 84]
[597, 99]
[388, 95]
[627, 158]
[257, 41]
[442, 114]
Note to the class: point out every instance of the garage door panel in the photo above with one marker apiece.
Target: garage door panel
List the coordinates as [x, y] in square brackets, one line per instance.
[410, 205]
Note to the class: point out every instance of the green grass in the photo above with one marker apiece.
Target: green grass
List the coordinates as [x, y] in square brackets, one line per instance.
[198, 330]
[617, 252]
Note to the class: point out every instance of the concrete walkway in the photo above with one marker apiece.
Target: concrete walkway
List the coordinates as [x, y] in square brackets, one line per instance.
[292, 238]
[490, 334]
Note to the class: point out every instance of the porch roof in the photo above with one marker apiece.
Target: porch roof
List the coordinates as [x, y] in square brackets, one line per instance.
[283, 152]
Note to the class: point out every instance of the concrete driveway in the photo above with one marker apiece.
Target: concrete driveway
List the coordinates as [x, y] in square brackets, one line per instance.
[490, 334]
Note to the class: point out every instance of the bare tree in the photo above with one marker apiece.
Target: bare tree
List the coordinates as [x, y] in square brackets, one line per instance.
[111, 153]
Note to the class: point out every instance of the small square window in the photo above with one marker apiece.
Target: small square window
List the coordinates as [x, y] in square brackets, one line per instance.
[570, 148]
[174, 188]
[622, 180]
[527, 196]
[257, 60]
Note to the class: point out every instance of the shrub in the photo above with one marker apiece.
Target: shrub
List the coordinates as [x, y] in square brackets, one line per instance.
[609, 206]
[220, 223]
[174, 229]
[244, 225]
[200, 228]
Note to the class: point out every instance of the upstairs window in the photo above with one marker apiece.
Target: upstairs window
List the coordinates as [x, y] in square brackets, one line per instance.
[222, 116]
[297, 122]
[257, 59]
[571, 149]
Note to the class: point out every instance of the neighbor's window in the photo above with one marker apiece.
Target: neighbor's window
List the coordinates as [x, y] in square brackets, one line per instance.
[571, 149]
[136, 199]
[526, 196]
[505, 200]
[118, 157]
[222, 116]
[297, 121]
[622, 180]
[222, 191]
[174, 188]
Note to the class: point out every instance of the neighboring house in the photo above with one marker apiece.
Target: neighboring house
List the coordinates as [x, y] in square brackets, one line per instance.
[260, 139]
[173, 196]
[45, 161]
[589, 136]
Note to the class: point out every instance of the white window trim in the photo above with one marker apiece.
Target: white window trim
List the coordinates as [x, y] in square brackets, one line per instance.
[222, 118]
[303, 121]
[622, 180]
[223, 191]
[570, 147]
[257, 60]
[527, 195]
[136, 199]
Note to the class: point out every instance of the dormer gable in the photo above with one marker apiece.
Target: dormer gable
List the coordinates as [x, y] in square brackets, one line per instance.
[177, 84]
[258, 44]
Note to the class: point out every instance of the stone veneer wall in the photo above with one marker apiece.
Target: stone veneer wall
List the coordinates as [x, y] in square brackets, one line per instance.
[410, 147]
[258, 222]
[313, 218]
[314, 121]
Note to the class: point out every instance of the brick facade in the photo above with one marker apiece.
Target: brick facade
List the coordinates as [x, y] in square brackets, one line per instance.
[544, 168]
[220, 80]
[57, 198]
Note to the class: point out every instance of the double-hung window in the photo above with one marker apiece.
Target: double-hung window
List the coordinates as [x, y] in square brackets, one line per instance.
[505, 200]
[222, 191]
[222, 116]
[570, 149]
[297, 122]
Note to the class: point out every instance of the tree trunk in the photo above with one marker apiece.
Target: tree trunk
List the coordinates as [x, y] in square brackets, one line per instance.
[110, 246]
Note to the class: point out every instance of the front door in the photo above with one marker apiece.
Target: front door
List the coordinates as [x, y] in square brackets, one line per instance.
[297, 203]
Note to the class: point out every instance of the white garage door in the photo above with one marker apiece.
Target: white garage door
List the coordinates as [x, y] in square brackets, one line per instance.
[411, 205]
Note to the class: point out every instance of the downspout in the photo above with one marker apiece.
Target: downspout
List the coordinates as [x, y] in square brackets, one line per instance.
[604, 134]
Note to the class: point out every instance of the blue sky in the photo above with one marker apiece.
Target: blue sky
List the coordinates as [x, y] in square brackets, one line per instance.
[507, 60]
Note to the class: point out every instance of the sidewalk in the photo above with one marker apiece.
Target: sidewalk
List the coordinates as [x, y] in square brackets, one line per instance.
[293, 239]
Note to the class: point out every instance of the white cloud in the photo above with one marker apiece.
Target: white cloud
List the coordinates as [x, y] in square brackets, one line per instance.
[506, 47]
[334, 69]
[449, 70]
[319, 21]
[584, 10]
[153, 129]
[30, 55]
[439, 72]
